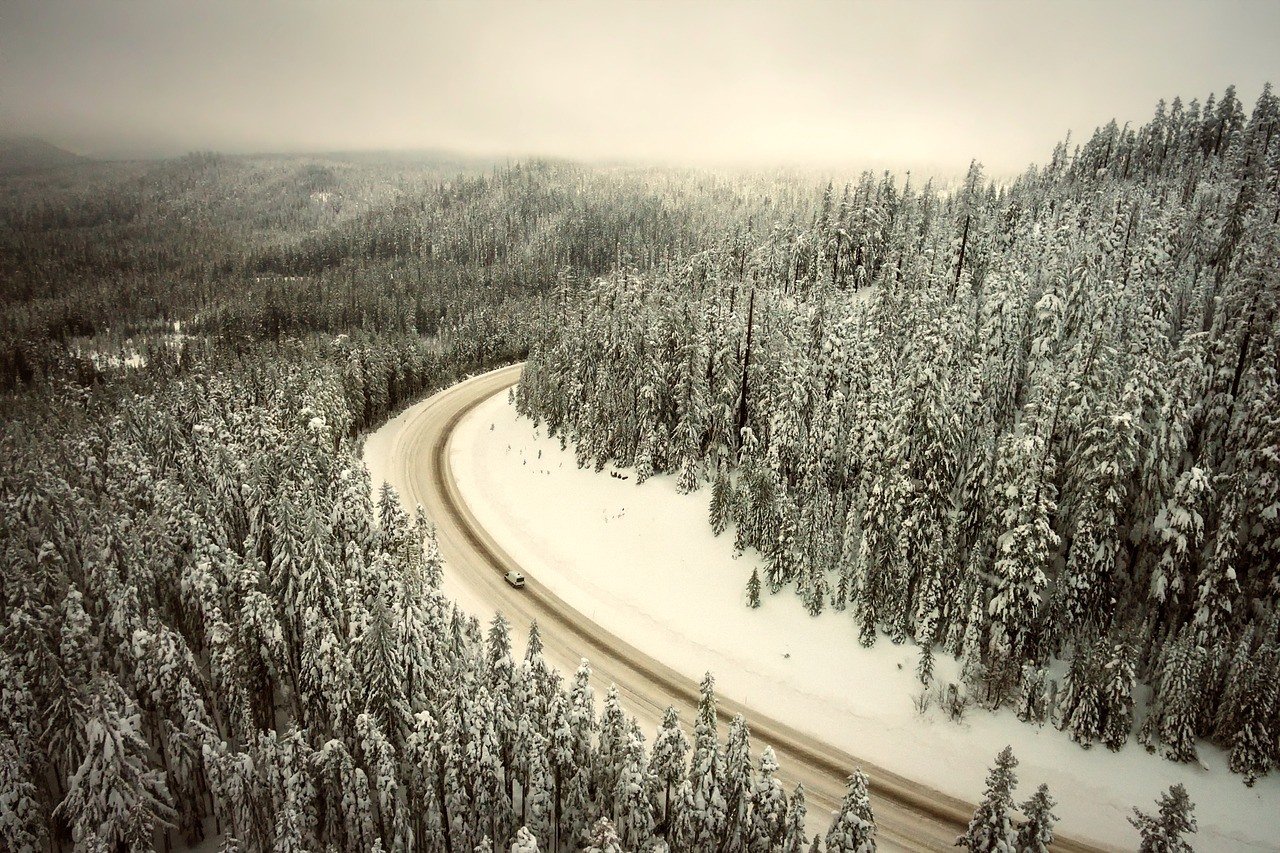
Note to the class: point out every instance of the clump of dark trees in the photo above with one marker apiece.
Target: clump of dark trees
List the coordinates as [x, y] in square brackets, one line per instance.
[1017, 423]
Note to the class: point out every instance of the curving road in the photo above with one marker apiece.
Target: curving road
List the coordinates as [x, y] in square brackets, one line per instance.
[908, 816]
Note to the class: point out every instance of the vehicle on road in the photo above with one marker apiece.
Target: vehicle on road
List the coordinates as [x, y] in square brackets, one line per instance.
[515, 579]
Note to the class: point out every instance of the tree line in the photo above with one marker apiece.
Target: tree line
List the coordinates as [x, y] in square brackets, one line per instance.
[1018, 423]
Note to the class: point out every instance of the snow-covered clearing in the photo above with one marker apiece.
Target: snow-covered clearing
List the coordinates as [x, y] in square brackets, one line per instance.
[642, 562]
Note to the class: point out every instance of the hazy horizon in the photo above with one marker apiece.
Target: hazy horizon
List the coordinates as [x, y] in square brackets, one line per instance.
[811, 86]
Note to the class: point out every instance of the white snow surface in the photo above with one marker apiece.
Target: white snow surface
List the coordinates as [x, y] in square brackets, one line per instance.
[642, 561]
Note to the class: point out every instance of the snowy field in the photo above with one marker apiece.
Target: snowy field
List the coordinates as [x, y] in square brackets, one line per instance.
[642, 561]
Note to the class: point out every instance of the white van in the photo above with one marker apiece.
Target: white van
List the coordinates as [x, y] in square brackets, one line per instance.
[515, 579]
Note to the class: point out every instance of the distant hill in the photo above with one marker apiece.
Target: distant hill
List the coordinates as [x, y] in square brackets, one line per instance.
[28, 154]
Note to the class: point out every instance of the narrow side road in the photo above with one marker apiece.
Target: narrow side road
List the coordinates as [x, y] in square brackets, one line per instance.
[908, 816]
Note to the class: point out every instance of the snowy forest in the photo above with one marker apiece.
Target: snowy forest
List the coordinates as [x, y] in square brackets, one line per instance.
[209, 627]
[1019, 422]
[1033, 424]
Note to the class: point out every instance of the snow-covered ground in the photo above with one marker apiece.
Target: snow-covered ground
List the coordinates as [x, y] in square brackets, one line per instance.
[642, 561]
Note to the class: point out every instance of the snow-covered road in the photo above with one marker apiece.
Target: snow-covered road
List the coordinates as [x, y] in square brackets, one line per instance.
[487, 478]
[412, 453]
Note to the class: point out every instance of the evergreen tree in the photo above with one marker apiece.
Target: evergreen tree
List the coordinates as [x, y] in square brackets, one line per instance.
[793, 836]
[1031, 700]
[737, 784]
[991, 829]
[721, 496]
[679, 824]
[1163, 832]
[21, 815]
[1117, 694]
[668, 761]
[115, 798]
[525, 841]
[603, 838]
[632, 795]
[1173, 718]
[1035, 834]
[853, 828]
[710, 812]
[1254, 747]
[768, 807]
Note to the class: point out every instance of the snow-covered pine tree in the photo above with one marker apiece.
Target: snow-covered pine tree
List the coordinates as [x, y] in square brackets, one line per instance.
[793, 834]
[853, 829]
[1080, 709]
[991, 829]
[1031, 697]
[347, 797]
[721, 499]
[525, 841]
[432, 561]
[1254, 747]
[736, 785]
[1035, 832]
[768, 807]
[422, 776]
[560, 762]
[668, 762]
[610, 754]
[22, 824]
[602, 838]
[710, 813]
[502, 683]
[1116, 694]
[1023, 486]
[536, 800]
[1217, 587]
[582, 718]
[1176, 708]
[382, 766]
[753, 589]
[1164, 831]
[633, 805]
[115, 798]
[378, 662]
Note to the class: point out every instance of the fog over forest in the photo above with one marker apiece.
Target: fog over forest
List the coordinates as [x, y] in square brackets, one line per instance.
[833, 85]
[947, 335]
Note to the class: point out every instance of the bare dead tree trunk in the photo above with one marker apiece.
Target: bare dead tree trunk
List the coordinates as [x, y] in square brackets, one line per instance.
[964, 244]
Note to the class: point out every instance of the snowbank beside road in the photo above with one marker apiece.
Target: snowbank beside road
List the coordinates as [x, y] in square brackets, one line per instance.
[642, 562]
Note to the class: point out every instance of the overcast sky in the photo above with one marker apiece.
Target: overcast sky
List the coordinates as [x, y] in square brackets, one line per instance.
[909, 84]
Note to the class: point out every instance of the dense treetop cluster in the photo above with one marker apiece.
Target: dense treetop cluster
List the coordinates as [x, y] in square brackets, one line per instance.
[1019, 423]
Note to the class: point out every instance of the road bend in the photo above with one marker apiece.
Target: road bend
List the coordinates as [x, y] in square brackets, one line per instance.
[909, 816]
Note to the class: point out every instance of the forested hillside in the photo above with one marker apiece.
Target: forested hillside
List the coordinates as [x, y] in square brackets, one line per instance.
[208, 627]
[1020, 423]
[1015, 422]
[267, 248]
